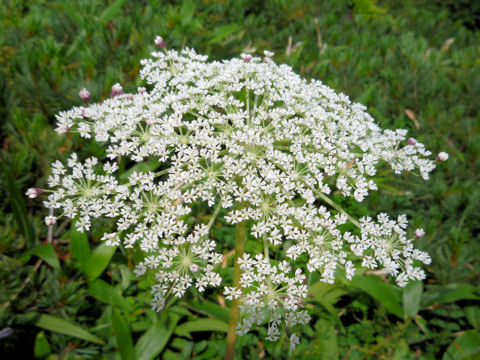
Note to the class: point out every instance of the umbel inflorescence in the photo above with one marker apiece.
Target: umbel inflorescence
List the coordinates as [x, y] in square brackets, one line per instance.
[254, 140]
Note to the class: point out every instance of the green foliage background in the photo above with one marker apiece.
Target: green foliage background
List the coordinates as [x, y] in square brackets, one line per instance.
[415, 64]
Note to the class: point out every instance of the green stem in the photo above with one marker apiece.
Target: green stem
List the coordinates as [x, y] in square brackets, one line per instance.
[240, 231]
[338, 208]
[215, 213]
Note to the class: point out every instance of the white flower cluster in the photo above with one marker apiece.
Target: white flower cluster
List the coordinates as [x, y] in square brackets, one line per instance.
[270, 290]
[252, 137]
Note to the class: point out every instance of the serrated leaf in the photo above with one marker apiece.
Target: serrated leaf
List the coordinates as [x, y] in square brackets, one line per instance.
[201, 325]
[151, 344]
[47, 253]
[388, 295]
[466, 346]
[61, 326]
[108, 294]
[98, 261]
[439, 294]
[122, 335]
[412, 298]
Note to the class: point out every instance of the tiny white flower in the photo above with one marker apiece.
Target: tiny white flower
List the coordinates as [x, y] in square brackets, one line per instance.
[442, 156]
[50, 220]
[419, 233]
[246, 57]
[32, 193]
[194, 268]
[294, 341]
[84, 95]
[160, 42]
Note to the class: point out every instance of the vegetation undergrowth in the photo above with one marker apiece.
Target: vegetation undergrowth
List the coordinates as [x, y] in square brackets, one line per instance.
[412, 63]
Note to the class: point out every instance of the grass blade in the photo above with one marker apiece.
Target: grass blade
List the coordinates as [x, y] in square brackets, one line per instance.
[123, 336]
[61, 326]
[19, 210]
[151, 344]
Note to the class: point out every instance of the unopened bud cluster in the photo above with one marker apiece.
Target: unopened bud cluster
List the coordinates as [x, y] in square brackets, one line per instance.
[253, 139]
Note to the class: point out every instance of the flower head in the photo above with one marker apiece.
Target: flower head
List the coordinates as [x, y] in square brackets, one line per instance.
[253, 139]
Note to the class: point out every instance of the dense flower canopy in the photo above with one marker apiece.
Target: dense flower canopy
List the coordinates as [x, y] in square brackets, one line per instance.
[254, 139]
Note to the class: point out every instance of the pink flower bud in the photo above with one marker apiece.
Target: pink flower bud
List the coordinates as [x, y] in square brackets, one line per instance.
[412, 142]
[85, 95]
[32, 193]
[50, 220]
[419, 233]
[160, 42]
[116, 90]
[442, 156]
[246, 57]
[194, 268]
[141, 90]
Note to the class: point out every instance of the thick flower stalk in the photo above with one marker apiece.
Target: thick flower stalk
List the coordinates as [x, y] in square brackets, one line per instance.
[251, 138]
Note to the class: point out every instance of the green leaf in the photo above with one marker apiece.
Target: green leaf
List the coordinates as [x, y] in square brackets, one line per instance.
[201, 325]
[107, 293]
[151, 344]
[110, 12]
[473, 316]
[326, 295]
[187, 11]
[47, 253]
[325, 342]
[98, 261]
[76, 17]
[388, 295]
[79, 248]
[212, 309]
[42, 347]
[439, 294]
[184, 346]
[142, 167]
[466, 346]
[19, 210]
[412, 298]
[222, 32]
[61, 326]
[122, 335]
[401, 350]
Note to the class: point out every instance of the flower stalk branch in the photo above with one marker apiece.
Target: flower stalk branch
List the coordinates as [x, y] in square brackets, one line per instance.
[240, 234]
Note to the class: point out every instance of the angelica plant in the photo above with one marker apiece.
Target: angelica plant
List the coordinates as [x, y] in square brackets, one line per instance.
[253, 140]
